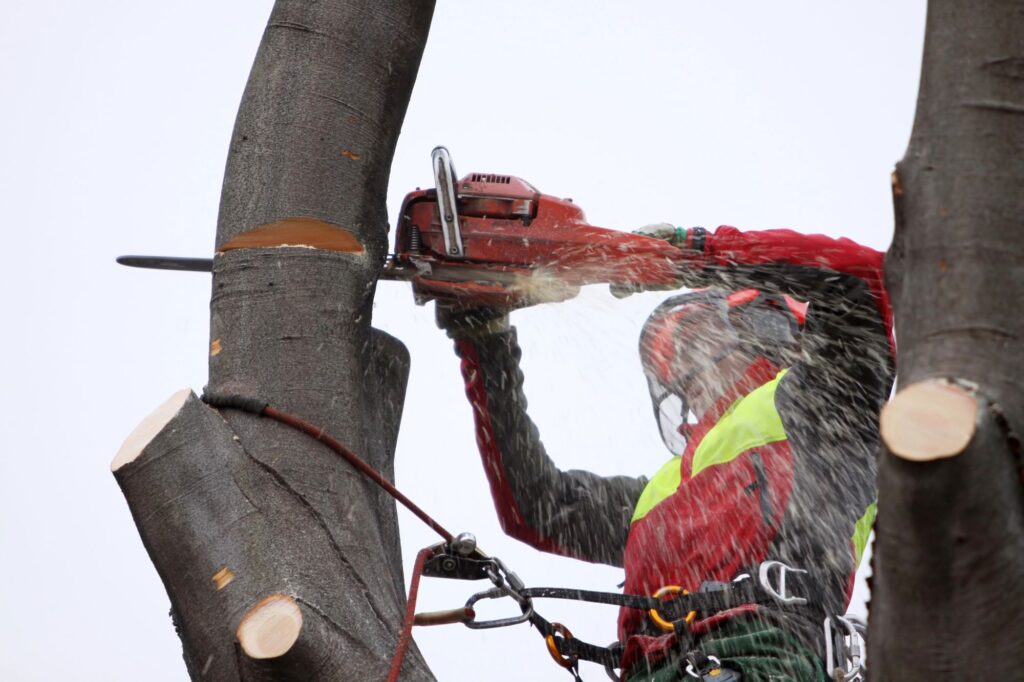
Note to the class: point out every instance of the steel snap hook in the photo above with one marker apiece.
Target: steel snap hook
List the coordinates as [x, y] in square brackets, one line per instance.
[497, 593]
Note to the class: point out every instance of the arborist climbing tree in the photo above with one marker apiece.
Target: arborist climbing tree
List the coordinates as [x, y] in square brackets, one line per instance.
[766, 380]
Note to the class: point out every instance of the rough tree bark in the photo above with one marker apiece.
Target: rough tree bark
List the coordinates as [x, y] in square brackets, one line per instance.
[280, 561]
[949, 549]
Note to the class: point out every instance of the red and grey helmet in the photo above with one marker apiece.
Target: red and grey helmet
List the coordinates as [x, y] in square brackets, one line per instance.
[691, 333]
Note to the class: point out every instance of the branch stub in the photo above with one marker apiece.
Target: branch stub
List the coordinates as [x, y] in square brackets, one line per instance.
[270, 628]
[929, 420]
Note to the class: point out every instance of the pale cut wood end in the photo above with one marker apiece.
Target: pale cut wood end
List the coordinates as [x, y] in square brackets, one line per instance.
[147, 429]
[930, 420]
[271, 628]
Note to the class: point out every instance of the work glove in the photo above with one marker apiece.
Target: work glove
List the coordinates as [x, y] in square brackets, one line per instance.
[461, 323]
[680, 237]
[676, 236]
[690, 240]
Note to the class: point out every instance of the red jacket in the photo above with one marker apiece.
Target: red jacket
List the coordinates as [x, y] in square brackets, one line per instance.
[796, 500]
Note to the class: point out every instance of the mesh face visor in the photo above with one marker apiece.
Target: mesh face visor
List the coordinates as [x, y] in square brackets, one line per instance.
[672, 414]
[682, 340]
[686, 337]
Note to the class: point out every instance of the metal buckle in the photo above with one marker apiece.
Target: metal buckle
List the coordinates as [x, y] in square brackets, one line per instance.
[691, 671]
[661, 622]
[559, 658]
[843, 649]
[459, 561]
[463, 560]
[779, 595]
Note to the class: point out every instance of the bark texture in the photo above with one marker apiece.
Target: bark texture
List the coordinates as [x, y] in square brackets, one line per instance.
[301, 237]
[949, 549]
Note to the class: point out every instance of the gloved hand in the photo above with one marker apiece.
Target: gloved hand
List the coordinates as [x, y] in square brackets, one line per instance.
[676, 236]
[462, 323]
[686, 239]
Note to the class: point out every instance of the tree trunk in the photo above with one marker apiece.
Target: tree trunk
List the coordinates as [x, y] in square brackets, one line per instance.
[949, 548]
[281, 561]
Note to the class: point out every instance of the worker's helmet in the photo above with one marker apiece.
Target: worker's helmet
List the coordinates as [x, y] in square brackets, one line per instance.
[689, 334]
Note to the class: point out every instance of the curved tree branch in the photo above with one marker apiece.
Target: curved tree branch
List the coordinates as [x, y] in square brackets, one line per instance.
[236, 510]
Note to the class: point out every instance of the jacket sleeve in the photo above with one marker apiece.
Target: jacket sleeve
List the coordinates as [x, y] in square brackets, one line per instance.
[573, 513]
[848, 329]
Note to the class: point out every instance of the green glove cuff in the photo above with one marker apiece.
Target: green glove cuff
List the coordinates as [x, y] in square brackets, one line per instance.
[679, 238]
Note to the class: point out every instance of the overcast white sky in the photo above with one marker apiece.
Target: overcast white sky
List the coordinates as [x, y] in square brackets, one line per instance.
[116, 117]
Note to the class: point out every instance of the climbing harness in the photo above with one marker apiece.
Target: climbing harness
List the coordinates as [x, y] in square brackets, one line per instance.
[672, 608]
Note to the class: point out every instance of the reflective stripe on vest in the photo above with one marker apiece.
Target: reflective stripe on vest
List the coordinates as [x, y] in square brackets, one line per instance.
[750, 422]
[862, 530]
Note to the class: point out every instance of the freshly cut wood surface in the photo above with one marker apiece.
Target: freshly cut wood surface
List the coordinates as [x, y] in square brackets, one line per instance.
[929, 420]
[298, 231]
[271, 628]
[147, 429]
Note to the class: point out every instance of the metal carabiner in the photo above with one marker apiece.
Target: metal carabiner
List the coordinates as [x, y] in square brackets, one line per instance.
[779, 595]
[497, 593]
[669, 626]
[842, 660]
[560, 659]
[505, 577]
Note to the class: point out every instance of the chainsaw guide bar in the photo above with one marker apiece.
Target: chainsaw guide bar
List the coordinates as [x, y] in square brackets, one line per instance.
[495, 240]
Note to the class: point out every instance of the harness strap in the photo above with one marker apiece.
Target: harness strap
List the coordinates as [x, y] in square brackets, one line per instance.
[573, 648]
[727, 597]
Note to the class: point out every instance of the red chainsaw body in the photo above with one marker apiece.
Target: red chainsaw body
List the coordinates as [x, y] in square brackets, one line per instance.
[520, 246]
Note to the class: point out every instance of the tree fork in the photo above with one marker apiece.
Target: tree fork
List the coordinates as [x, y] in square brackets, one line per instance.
[235, 509]
[948, 562]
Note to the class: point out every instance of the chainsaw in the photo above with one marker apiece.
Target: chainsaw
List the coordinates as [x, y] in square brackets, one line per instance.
[489, 240]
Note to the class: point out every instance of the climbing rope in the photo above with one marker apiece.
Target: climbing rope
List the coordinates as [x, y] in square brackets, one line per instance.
[261, 408]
